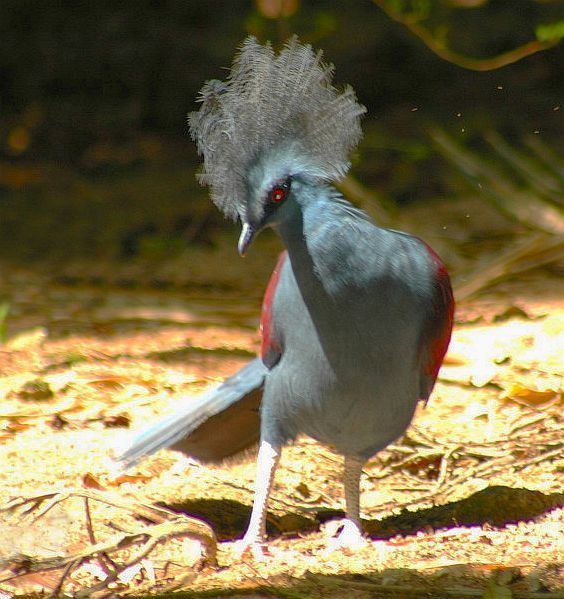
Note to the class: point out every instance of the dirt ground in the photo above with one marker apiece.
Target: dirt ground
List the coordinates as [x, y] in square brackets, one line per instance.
[467, 504]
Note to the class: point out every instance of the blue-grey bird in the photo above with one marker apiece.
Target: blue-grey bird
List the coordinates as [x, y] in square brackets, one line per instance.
[356, 318]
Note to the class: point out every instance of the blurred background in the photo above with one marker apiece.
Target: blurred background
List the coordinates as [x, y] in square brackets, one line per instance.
[97, 181]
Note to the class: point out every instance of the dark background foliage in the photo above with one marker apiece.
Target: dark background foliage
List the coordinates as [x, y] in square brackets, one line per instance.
[95, 95]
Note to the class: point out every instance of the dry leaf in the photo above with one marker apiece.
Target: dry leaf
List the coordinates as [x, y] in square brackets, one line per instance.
[303, 490]
[116, 421]
[61, 380]
[36, 390]
[128, 478]
[150, 569]
[108, 382]
[91, 482]
[16, 426]
[526, 395]
[511, 312]
[130, 573]
[483, 373]
[455, 359]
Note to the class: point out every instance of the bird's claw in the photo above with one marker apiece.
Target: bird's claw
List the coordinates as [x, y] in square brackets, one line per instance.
[349, 540]
[253, 548]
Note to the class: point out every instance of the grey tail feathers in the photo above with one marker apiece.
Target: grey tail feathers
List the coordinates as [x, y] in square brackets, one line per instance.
[216, 425]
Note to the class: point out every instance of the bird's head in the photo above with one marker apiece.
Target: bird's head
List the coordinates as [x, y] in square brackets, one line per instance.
[274, 126]
[274, 185]
[269, 202]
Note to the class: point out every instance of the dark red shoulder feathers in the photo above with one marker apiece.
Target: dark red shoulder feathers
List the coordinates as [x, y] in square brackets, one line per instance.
[437, 334]
[271, 348]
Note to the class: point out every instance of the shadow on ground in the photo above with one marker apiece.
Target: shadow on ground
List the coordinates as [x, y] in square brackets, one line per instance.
[496, 505]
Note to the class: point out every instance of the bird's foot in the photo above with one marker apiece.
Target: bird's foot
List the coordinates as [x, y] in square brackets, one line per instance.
[349, 540]
[251, 547]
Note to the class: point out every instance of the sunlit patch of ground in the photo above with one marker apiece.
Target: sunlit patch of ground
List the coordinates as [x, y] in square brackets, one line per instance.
[88, 366]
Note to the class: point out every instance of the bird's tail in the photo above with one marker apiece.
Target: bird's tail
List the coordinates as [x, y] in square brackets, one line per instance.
[214, 426]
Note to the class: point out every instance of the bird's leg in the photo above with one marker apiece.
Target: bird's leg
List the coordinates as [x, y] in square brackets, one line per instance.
[352, 473]
[267, 461]
[350, 537]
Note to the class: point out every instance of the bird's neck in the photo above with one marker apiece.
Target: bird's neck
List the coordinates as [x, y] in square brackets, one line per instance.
[308, 231]
[298, 227]
[311, 208]
[312, 232]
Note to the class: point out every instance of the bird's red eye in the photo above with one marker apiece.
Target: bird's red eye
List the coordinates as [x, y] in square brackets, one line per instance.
[278, 194]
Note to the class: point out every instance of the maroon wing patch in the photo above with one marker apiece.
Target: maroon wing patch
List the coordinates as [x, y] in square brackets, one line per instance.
[437, 335]
[271, 348]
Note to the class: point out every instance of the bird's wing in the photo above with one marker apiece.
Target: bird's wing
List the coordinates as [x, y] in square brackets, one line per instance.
[436, 336]
[271, 348]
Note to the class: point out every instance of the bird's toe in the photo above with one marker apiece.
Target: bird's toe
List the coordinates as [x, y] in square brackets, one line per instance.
[349, 540]
[251, 548]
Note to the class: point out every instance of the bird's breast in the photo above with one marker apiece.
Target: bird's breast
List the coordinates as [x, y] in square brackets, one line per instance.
[343, 377]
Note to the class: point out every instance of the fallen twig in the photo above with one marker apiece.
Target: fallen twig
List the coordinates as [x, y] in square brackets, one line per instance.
[547, 446]
[166, 525]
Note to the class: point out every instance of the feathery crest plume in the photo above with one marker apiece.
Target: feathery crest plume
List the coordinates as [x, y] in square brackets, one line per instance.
[271, 101]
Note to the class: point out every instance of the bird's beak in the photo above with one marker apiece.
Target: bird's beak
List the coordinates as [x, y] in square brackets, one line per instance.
[247, 234]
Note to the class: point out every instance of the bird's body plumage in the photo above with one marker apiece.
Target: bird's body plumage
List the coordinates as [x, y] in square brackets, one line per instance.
[348, 316]
[356, 318]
